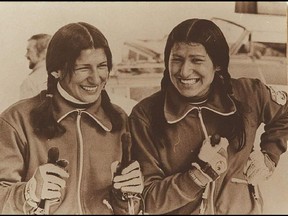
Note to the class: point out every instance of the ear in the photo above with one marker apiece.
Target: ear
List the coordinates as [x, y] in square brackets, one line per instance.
[56, 74]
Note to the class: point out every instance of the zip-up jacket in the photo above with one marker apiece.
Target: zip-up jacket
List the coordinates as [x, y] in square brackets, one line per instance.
[88, 144]
[166, 159]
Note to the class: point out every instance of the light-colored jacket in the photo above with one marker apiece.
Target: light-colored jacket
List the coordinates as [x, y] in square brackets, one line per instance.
[35, 82]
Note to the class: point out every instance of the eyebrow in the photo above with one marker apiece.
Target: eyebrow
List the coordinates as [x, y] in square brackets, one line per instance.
[84, 64]
[195, 55]
[81, 65]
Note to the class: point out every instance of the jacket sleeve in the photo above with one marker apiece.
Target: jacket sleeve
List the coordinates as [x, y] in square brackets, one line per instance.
[274, 115]
[163, 192]
[12, 170]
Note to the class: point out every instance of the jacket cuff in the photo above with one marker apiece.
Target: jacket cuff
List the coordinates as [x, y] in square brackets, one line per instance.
[188, 186]
[16, 200]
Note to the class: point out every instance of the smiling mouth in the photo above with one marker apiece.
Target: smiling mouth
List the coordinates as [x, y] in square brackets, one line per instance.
[190, 81]
[89, 88]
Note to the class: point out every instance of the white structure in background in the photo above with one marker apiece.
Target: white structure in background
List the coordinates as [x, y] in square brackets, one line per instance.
[125, 103]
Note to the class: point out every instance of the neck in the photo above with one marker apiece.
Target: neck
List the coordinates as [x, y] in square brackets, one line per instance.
[39, 64]
[199, 99]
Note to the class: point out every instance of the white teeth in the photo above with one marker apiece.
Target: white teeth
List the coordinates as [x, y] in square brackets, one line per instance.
[189, 81]
[86, 88]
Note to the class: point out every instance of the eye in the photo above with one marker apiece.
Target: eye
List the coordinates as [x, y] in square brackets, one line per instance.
[103, 66]
[197, 60]
[176, 60]
[82, 69]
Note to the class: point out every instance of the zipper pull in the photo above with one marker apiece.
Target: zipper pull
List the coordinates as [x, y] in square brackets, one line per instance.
[202, 123]
[79, 112]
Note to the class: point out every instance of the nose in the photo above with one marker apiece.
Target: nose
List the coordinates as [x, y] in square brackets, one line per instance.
[94, 76]
[186, 69]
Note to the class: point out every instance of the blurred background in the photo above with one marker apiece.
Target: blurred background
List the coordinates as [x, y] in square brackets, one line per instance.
[136, 31]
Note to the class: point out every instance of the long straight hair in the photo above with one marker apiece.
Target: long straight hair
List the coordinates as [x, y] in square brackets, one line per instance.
[211, 37]
[63, 50]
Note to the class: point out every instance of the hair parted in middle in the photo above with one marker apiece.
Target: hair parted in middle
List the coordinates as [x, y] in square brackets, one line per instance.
[208, 34]
[63, 50]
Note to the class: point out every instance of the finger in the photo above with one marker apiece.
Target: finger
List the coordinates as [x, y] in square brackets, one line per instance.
[53, 169]
[250, 166]
[223, 152]
[53, 187]
[48, 194]
[132, 189]
[55, 180]
[251, 171]
[62, 163]
[114, 166]
[246, 167]
[132, 166]
[135, 181]
[128, 176]
[224, 143]
[132, 183]
[258, 176]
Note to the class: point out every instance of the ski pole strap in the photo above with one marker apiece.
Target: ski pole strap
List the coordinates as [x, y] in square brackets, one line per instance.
[206, 168]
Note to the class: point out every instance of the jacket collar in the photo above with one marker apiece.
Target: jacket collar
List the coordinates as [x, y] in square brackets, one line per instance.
[64, 107]
[176, 107]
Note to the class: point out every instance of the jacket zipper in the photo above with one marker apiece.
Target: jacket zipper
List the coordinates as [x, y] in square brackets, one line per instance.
[205, 195]
[80, 139]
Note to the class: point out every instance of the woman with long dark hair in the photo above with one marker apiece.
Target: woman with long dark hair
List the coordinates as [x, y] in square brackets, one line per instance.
[60, 148]
[194, 139]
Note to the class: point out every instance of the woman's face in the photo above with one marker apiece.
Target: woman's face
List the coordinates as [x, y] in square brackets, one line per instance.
[191, 69]
[89, 77]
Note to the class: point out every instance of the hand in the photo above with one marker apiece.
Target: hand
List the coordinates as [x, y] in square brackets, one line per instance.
[258, 168]
[130, 181]
[46, 182]
[215, 155]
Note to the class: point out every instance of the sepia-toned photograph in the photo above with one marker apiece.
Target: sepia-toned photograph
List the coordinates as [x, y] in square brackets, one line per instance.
[142, 108]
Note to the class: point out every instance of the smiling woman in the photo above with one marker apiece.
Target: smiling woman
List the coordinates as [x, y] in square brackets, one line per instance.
[194, 139]
[191, 70]
[76, 120]
[89, 77]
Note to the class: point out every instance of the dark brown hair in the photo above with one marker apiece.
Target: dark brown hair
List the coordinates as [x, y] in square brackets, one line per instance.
[63, 50]
[211, 37]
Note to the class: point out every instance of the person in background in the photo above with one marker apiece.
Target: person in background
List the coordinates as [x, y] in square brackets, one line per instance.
[194, 139]
[66, 150]
[36, 81]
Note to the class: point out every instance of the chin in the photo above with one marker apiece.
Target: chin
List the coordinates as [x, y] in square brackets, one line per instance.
[91, 100]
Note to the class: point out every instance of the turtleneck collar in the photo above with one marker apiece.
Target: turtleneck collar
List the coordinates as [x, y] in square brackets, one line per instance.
[67, 96]
[64, 106]
[176, 107]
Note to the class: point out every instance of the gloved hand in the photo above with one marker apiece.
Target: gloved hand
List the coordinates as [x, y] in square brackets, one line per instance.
[258, 168]
[130, 181]
[46, 183]
[215, 154]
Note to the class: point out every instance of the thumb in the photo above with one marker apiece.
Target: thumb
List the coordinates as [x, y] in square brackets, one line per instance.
[224, 143]
[247, 165]
[114, 166]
